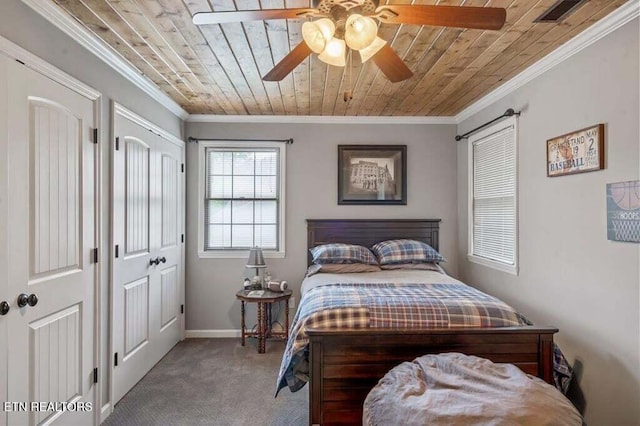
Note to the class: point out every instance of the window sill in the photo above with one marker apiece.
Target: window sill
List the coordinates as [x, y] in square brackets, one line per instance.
[238, 254]
[511, 269]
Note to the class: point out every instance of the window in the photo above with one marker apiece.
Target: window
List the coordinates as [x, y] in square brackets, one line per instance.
[242, 198]
[493, 197]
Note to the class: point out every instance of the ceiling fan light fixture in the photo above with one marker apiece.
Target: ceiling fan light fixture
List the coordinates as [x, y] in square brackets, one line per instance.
[335, 53]
[317, 34]
[360, 31]
[373, 48]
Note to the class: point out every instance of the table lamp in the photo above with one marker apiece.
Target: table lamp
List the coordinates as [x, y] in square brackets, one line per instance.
[256, 260]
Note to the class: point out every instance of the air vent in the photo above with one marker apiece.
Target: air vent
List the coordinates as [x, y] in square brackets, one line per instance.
[559, 10]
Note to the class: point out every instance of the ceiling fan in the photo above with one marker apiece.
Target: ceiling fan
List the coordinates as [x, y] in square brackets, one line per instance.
[351, 23]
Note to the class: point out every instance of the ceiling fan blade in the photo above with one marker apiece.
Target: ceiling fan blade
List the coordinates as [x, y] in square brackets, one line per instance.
[482, 18]
[203, 18]
[288, 63]
[391, 64]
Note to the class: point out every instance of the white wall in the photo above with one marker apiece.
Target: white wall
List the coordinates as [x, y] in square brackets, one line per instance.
[27, 29]
[571, 276]
[312, 176]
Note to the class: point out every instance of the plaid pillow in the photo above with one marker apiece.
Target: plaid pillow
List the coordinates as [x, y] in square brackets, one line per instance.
[405, 251]
[342, 253]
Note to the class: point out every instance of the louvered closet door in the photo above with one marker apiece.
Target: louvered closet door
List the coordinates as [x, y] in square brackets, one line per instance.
[50, 182]
[147, 295]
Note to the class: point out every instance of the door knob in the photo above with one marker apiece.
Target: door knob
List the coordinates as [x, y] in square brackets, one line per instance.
[4, 308]
[27, 299]
[32, 300]
[155, 261]
[162, 259]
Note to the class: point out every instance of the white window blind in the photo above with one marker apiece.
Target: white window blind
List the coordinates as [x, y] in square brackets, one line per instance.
[242, 199]
[494, 196]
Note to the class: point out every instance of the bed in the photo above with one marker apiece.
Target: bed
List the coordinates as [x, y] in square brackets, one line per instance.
[344, 364]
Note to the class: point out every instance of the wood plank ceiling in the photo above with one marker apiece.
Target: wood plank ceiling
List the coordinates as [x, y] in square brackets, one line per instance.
[217, 69]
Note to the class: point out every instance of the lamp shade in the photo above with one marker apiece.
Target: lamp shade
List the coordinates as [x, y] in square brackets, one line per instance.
[368, 52]
[318, 33]
[256, 259]
[360, 31]
[335, 53]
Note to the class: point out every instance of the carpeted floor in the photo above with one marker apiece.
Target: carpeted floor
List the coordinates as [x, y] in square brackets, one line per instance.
[213, 382]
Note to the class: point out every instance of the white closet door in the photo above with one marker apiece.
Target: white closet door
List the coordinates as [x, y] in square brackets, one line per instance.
[147, 272]
[169, 244]
[50, 180]
[4, 288]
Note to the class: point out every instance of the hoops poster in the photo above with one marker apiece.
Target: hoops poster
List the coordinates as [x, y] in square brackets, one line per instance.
[623, 211]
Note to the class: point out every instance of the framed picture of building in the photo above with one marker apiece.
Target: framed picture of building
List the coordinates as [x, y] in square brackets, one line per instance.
[372, 174]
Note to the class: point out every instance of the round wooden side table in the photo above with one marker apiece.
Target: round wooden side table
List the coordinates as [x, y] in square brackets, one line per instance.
[264, 302]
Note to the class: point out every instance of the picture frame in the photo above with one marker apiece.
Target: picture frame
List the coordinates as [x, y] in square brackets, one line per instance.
[372, 174]
[623, 211]
[576, 152]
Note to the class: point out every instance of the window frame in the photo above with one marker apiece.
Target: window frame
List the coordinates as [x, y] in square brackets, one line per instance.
[471, 256]
[240, 145]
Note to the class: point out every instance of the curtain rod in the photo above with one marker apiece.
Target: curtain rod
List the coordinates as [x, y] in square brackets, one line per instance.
[196, 140]
[508, 113]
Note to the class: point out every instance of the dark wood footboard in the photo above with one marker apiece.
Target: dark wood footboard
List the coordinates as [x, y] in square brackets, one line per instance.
[346, 364]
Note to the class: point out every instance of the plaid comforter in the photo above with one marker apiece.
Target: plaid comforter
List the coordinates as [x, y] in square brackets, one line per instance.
[387, 306]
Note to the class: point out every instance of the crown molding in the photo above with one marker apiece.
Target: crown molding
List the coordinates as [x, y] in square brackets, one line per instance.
[600, 29]
[61, 20]
[317, 119]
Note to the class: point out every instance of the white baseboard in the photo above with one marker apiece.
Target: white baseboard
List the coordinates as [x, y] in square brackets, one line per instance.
[211, 334]
[105, 412]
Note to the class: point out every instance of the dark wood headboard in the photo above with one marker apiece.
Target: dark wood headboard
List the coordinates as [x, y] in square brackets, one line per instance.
[367, 232]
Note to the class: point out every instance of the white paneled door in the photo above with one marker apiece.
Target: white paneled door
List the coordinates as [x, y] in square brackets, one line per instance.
[4, 227]
[148, 263]
[50, 226]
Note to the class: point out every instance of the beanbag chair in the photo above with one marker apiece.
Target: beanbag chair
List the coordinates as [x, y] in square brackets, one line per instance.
[456, 389]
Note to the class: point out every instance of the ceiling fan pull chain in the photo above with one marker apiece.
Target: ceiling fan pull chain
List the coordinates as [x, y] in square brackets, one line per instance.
[348, 94]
